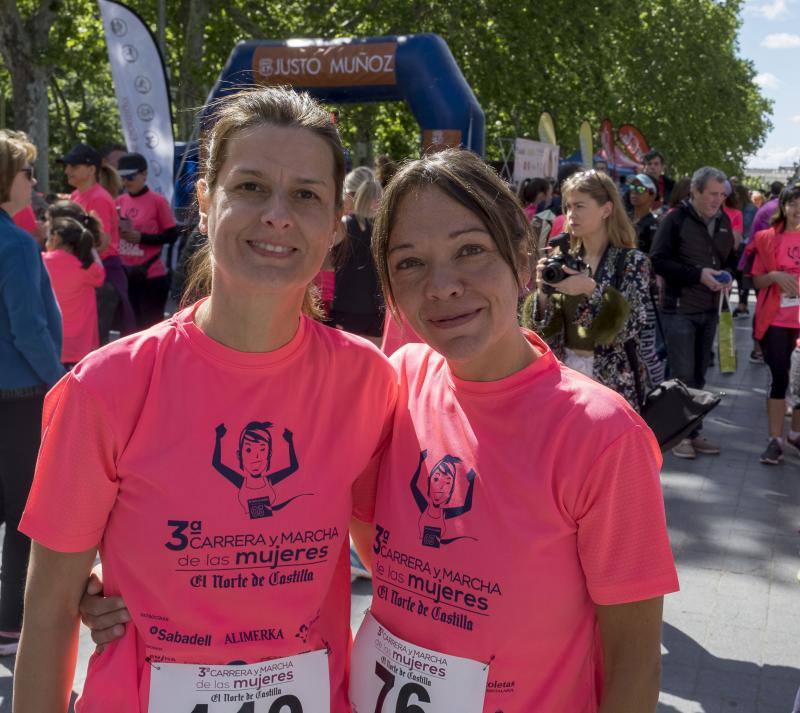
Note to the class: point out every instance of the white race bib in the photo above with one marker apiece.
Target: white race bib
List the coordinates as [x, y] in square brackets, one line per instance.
[296, 684]
[389, 675]
[790, 301]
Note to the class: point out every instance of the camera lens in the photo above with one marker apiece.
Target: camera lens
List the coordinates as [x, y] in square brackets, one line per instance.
[552, 273]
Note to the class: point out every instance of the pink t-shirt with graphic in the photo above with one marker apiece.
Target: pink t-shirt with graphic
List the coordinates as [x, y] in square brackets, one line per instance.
[736, 217]
[506, 511]
[98, 200]
[74, 288]
[148, 213]
[209, 575]
[396, 334]
[788, 259]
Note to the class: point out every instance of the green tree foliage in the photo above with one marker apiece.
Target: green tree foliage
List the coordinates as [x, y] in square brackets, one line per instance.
[669, 66]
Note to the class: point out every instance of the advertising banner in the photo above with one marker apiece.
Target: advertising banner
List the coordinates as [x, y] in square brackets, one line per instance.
[534, 159]
[586, 144]
[140, 83]
[633, 141]
[607, 139]
[329, 65]
[547, 130]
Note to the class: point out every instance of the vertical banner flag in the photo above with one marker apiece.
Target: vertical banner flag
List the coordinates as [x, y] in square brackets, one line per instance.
[586, 144]
[140, 83]
[534, 159]
[607, 139]
[634, 142]
[547, 130]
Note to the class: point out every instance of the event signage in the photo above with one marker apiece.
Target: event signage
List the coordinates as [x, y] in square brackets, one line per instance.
[547, 129]
[633, 141]
[140, 84]
[586, 144]
[607, 139]
[534, 159]
[326, 65]
[434, 140]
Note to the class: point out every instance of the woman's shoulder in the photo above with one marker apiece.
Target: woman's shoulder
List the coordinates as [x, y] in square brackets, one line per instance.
[358, 351]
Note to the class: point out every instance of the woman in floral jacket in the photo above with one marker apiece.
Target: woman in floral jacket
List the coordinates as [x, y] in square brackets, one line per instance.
[588, 317]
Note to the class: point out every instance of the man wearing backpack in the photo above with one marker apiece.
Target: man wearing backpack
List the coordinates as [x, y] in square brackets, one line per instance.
[691, 251]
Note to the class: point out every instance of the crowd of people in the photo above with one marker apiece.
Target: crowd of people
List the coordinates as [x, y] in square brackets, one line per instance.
[513, 548]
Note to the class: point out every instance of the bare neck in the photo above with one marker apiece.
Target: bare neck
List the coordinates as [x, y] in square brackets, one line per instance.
[594, 246]
[250, 322]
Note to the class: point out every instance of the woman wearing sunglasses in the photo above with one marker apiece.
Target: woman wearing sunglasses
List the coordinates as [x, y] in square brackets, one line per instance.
[146, 225]
[593, 317]
[30, 362]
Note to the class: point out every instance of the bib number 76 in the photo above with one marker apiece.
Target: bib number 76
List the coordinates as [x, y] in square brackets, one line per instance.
[284, 704]
[404, 694]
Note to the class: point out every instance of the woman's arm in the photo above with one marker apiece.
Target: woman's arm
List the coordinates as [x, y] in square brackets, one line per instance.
[631, 635]
[786, 283]
[49, 644]
[362, 534]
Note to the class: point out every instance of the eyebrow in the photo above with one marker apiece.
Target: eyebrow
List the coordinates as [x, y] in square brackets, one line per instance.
[453, 234]
[303, 180]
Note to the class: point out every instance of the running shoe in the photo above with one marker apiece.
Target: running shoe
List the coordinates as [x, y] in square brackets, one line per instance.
[756, 357]
[740, 313]
[357, 568]
[685, 449]
[774, 453]
[705, 446]
[794, 442]
[8, 645]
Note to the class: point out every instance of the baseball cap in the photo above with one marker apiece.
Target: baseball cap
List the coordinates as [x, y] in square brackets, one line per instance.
[82, 154]
[131, 164]
[646, 181]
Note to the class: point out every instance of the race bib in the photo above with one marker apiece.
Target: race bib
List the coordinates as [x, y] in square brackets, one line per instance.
[790, 301]
[389, 675]
[296, 684]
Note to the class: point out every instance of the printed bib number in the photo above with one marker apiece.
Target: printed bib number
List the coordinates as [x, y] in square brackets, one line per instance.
[790, 301]
[296, 684]
[390, 675]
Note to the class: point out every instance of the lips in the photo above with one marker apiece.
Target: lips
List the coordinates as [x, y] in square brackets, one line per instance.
[271, 249]
[453, 320]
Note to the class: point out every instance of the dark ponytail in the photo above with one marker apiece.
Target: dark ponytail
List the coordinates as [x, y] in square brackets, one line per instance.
[75, 237]
[69, 209]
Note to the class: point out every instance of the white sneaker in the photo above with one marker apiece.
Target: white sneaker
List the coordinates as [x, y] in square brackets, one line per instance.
[685, 449]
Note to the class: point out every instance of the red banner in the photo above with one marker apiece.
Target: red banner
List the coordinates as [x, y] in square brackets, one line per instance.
[607, 139]
[634, 142]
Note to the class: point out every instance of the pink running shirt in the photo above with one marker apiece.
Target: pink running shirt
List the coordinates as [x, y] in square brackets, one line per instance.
[75, 294]
[149, 213]
[506, 511]
[558, 225]
[98, 200]
[26, 219]
[788, 259]
[211, 576]
[736, 217]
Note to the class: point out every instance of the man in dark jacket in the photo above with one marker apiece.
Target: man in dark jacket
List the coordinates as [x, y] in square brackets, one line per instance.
[691, 251]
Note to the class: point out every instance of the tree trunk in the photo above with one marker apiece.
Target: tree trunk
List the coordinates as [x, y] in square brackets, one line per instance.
[23, 44]
[190, 92]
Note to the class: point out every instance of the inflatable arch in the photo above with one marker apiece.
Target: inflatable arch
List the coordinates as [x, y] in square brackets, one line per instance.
[417, 69]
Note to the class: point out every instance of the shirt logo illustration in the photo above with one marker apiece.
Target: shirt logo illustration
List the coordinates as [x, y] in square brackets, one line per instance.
[254, 481]
[434, 505]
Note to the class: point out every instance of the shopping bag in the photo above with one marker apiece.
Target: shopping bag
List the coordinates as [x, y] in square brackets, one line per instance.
[726, 341]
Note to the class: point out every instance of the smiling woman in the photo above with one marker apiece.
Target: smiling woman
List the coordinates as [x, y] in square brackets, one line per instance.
[189, 518]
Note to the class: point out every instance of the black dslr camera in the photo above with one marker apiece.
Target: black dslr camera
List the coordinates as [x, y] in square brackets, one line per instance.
[553, 270]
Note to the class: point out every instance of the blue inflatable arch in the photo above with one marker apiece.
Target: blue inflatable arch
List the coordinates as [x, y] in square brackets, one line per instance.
[417, 69]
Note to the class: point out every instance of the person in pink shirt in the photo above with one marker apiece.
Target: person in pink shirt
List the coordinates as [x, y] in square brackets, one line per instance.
[776, 276]
[518, 565]
[82, 165]
[75, 272]
[221, 456]
[147, 225]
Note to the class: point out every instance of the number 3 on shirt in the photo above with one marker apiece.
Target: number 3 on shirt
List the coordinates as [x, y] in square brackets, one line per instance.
[390, 675]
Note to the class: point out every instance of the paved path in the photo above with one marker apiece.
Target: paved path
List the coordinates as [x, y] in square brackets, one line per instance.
[732, 634]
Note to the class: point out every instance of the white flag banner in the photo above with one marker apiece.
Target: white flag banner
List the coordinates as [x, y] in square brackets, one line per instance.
[140, 83]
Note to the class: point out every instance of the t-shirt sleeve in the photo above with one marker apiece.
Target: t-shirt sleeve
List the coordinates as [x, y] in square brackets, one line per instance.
[166, 219]
[75, 484]
[622, 532]
[758, 266]
[365, 487]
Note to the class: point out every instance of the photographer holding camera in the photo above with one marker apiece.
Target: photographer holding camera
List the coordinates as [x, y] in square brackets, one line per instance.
[593, 288]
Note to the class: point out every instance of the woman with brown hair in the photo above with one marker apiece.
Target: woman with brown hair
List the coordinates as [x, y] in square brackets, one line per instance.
[593, 319]
[533, 579]
[213, 477]
[30, 347]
